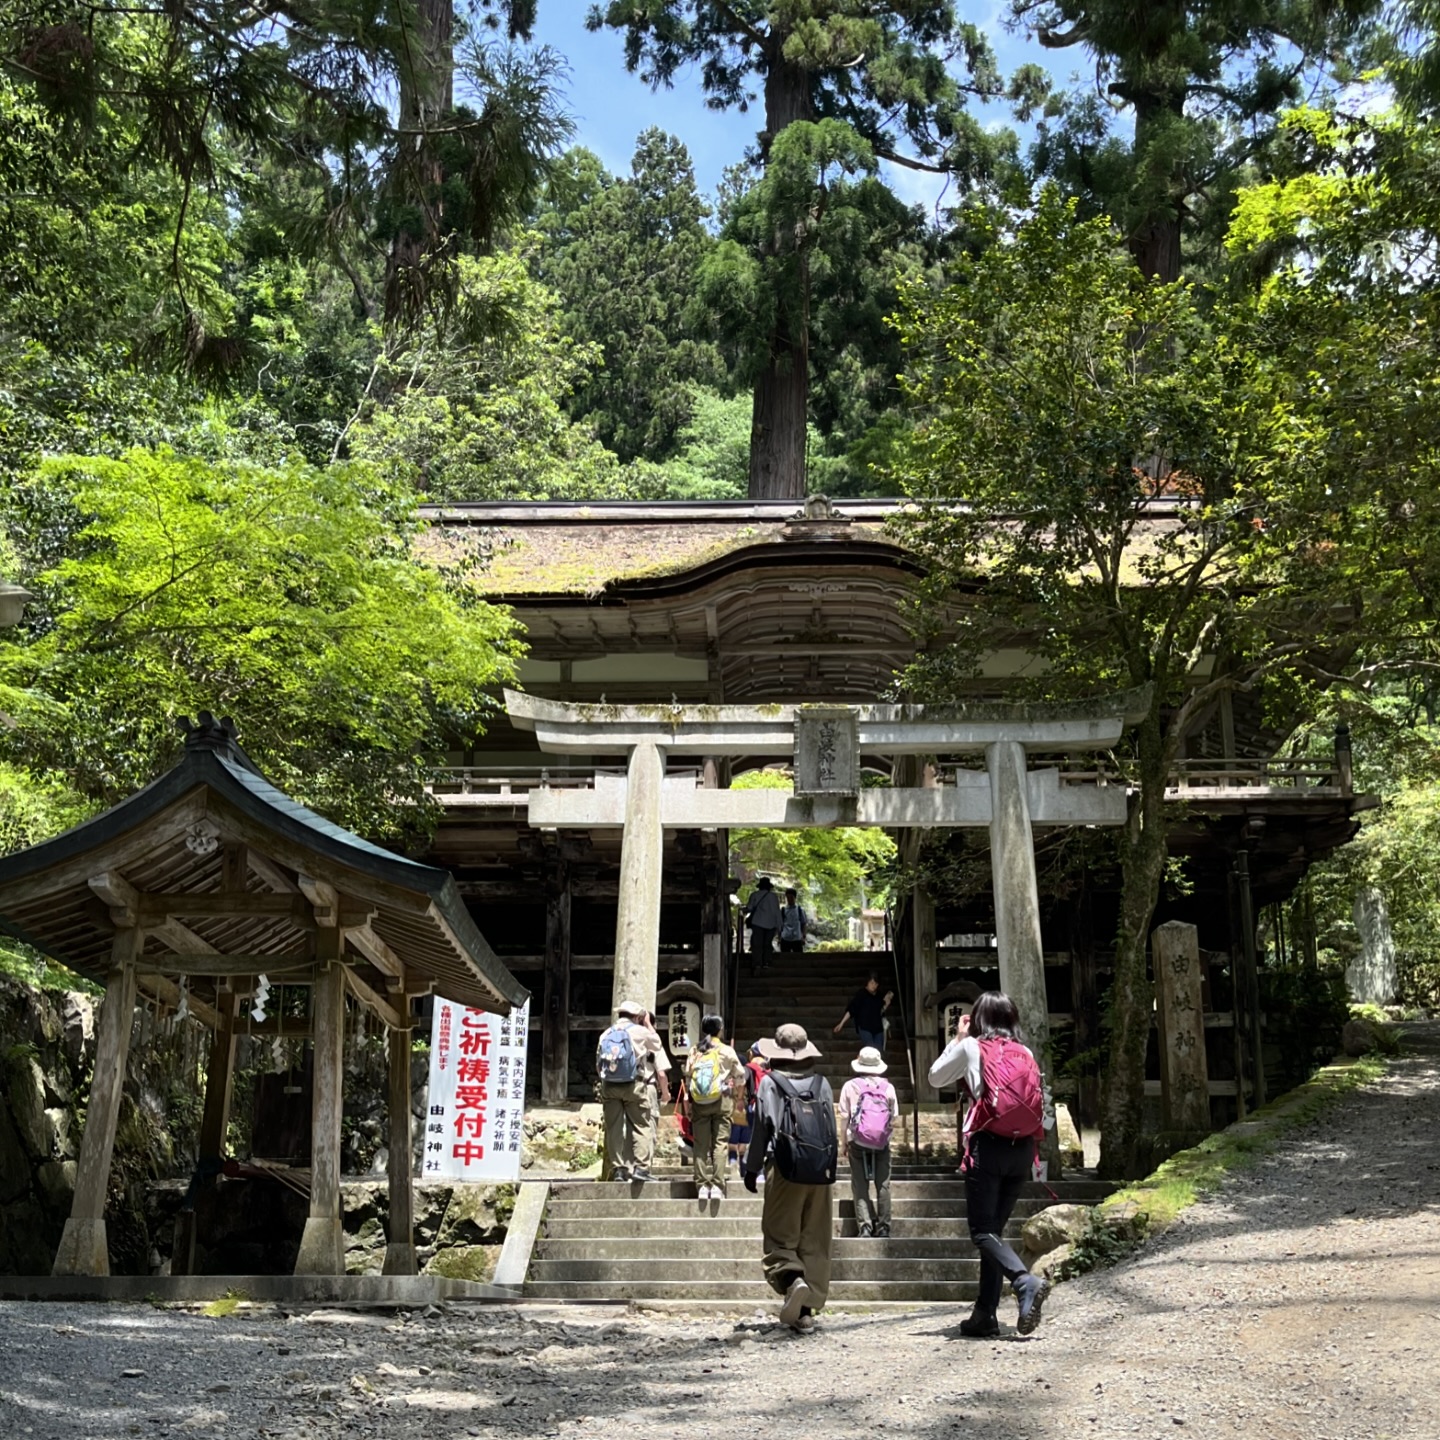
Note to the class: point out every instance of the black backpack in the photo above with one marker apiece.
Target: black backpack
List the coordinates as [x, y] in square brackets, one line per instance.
[806, 1149]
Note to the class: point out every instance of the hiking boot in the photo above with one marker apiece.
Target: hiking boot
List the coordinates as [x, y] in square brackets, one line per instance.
[882, 1231]
[866, 1232]
[1032, 1292]
[640, 1176]
[620, 1173]
[980, 1326]
[797, 1300]
[804, 1323]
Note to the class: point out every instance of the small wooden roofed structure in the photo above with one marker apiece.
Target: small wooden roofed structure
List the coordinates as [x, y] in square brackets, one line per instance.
[192, 890]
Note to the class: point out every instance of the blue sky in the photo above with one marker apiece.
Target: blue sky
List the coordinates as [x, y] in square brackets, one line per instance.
[611, 107]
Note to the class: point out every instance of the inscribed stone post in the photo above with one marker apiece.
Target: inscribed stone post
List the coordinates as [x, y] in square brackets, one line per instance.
[1184, 1077]
[1017, 908]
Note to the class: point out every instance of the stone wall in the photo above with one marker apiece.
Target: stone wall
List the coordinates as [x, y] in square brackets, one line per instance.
[47, 1053]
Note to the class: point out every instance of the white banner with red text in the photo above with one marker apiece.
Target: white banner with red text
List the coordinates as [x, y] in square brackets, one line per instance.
[475, 1114]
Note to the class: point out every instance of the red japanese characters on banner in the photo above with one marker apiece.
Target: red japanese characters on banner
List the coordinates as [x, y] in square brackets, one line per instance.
[475, 1120]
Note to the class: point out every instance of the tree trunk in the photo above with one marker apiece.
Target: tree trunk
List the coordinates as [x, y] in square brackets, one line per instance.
[1131, 999]
[427, 91]
[1154, 239]
[1373, 975]
[780, 409]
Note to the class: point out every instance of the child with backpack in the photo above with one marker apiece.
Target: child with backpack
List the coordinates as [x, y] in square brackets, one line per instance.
[869, 1108]
[1008, 1113]
[713, 1074]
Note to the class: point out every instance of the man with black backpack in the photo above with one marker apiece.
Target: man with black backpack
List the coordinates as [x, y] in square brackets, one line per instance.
[628, 1060]
[793, 1139]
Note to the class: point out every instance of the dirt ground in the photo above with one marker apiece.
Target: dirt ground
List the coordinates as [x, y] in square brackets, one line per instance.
[1300, 1303]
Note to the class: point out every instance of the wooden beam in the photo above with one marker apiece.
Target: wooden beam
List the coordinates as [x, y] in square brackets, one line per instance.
[270, 872]
[235, 904]
[366, 994]
[119, 894]
[209, 963]
[376, 951]
[323, 897]
[166, 992]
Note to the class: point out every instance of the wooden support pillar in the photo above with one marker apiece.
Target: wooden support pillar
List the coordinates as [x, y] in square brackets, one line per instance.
[926, 1019]
[400, 1232]
[1085, 1005]
[642, 859]
[322, 1245]
[83, 1246]
[555, 1016]
[191, 1224]
[1252, 973]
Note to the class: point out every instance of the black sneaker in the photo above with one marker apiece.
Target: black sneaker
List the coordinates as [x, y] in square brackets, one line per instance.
[866, 1232]
[882, 1231]
[640, 1176]
[1032, 1292]
[980, 1327]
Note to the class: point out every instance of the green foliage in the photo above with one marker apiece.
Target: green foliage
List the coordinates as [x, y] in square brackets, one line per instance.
[624, 262]
[834, 869]
[289, 597]
[1198, 90]
[474, 408]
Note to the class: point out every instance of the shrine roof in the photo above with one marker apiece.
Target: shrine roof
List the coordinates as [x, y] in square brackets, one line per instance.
[567, 548]
[168, 841]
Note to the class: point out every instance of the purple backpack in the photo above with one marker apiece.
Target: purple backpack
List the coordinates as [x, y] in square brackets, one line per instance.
[870, 1124]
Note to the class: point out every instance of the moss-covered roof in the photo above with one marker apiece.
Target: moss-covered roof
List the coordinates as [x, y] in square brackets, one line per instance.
[580, 550]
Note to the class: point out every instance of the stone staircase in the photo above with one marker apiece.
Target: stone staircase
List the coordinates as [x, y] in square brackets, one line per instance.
[812, 989]
[615, 1241]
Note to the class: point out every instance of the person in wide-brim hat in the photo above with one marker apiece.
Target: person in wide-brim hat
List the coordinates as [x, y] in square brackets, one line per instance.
[790, 1046]
[869, 1062]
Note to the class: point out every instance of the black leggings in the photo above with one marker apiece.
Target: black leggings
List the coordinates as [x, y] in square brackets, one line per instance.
[996, 1173]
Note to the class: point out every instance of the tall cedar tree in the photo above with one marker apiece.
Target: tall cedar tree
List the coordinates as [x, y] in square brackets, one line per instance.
[1203, 81]
[880, 68]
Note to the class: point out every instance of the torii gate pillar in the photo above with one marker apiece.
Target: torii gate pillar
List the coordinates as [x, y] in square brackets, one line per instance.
[642, 853]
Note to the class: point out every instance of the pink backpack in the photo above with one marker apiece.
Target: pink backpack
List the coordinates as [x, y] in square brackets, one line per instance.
[1011, 1101]
[871, 1122]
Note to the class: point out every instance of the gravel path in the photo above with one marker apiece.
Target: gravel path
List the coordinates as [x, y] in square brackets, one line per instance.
[1298, 1304]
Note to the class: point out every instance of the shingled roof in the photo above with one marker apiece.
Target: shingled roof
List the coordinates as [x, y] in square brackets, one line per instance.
[168, 841]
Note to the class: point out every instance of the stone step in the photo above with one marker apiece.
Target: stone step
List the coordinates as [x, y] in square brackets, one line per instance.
[644, 1213]
[746, 1294]
[727, 1222]
[687, 1249]
[676, 1188]
[637, 1272]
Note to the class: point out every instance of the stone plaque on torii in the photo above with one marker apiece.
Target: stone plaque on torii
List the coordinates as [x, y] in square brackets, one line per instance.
[825, 744]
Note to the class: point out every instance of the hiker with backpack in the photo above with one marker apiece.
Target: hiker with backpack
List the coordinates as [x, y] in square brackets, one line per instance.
[869, 1108]
[713, 1075]
[794, 923]
[793, 1141]
[629, 1061]
[1008, 1114]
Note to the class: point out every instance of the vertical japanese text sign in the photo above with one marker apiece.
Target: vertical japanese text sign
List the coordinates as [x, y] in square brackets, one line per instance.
[475, 1115]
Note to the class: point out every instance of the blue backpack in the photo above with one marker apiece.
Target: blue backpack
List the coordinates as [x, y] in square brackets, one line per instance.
[615, 1059]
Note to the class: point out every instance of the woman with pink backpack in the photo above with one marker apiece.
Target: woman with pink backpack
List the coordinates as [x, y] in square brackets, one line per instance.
[1008, 1113]
[868, 1110]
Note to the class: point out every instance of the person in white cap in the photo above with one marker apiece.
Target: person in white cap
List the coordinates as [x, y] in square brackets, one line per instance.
[869, 1108]
[628, 1060]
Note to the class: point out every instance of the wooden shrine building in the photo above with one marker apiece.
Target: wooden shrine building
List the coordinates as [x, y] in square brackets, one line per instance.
[194, 893]
[679, 605]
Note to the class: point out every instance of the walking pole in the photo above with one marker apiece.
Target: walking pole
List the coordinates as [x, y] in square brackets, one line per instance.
[905, 1028]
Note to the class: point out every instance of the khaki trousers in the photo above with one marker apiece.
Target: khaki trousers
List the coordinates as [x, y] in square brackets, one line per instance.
[798, 1227]
[628, 1139]
[710, 1130]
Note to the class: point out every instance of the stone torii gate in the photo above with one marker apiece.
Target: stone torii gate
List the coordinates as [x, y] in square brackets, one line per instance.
[825, 744]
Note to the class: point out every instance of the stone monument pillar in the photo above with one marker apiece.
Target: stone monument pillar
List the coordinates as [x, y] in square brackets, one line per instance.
[1017, 908]
[642, 855]
[1184, 1077]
